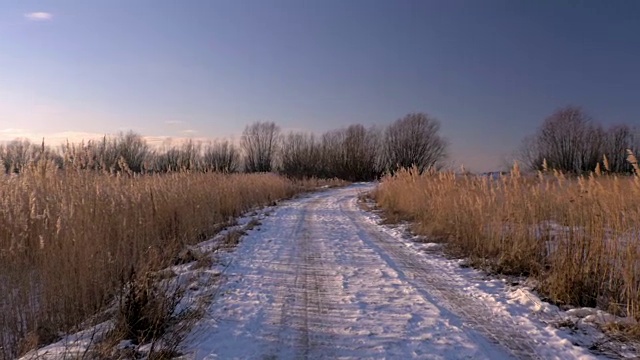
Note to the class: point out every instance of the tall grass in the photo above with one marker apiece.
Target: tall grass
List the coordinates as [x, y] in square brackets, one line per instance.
[579, 237]
[70, 238]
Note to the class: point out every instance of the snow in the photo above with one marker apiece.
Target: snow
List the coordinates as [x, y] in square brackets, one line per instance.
[71, 346]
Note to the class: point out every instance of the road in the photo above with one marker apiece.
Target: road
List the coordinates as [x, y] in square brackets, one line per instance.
[320, 278]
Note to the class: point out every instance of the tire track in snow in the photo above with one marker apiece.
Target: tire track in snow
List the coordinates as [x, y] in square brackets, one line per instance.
[290, 314]
[302, 299]
[436, 285]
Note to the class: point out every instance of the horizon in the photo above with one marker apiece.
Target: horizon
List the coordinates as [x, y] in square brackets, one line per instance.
[490, 72]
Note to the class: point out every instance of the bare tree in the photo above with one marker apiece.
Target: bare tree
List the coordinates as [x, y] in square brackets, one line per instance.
[132, 149]
[186, 157]
[568, 140]
[560, 137]
[414, 140]
[351, 153]
[260, 144]
[221, 156]
[360, 151]
[332, 156]
[300, 155]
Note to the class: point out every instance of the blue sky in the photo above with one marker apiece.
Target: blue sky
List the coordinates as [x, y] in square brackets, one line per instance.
[489, 70]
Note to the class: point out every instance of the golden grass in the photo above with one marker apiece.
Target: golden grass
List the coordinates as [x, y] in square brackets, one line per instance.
[580, 238]
[69, 238]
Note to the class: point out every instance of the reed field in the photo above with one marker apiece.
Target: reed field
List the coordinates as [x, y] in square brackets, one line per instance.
[69, 238]
[578, 238]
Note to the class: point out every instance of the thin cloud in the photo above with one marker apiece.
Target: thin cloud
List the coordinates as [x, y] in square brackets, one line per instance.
[39, 16]
[174, 122]
[189, 131]
[12, 131]
[53, 139]
[170, 141]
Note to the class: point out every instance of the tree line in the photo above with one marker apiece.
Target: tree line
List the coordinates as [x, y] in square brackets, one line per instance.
[569, 140]
[355, 153]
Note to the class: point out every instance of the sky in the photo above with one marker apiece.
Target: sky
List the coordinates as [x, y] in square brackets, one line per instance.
[489, 70]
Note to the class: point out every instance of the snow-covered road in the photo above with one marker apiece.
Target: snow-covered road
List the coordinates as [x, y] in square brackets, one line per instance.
[321, 279]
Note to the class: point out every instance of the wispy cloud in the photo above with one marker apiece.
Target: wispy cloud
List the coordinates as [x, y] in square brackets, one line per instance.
[58, 138]
[53, 139]
[189, 131]
[38, 16]
[174, 122]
